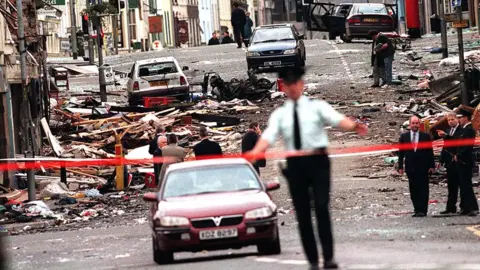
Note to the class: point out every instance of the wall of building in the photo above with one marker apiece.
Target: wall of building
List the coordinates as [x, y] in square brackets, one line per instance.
[225, 13]
[206, 10]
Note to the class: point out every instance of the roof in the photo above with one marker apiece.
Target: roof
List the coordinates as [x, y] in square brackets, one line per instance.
[207, 163]
[368, 4]
[275, 25]
[157, 60]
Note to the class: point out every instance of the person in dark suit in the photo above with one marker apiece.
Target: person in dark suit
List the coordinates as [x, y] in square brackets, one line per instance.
[469, 204]
[418, 164]
[206, 147]
[238, 21]
[248, 143]
[448, 158]
[157, 166]
[154, 142]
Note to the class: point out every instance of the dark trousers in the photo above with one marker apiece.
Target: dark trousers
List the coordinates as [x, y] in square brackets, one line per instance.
[157, 167]
[257, 169]
[302, 174]
[452, 184]
[469, 200]
[419, 189]
[238, 35]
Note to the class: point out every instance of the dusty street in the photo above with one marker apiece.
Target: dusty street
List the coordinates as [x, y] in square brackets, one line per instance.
[373, 229]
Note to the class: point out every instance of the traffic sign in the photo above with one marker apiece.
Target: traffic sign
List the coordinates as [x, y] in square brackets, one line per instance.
[451, 17]
[460, 24]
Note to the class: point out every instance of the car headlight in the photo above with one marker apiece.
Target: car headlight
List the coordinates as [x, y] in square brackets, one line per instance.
[291, 51]
[263, 212]
[173, 221]
[253, 54]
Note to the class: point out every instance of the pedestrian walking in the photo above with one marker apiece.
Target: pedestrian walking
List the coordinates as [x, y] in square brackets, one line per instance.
[377, 61]
[172, 152]
[449, 159]
[238, 20]
[469, 203]
[153, 145]
[248, 29]
[419, 162]
[206, 147]
[157, 166]
[249, 141]
[301, 124]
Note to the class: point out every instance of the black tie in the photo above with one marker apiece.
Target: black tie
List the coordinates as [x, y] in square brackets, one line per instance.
[296, 129]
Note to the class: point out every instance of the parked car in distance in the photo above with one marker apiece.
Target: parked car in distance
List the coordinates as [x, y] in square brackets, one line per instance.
[352, 20]
[211, 205]
[366, 17]
[157, 77]
[275, 46]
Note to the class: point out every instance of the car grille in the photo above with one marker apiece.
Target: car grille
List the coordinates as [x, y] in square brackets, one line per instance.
[272, 52]
[209, 223]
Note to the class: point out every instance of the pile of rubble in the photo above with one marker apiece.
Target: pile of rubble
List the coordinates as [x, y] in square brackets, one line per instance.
[80, 127]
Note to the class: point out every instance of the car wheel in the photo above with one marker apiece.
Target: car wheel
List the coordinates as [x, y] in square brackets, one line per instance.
[271, 247]
[160, 256]
[332, 35]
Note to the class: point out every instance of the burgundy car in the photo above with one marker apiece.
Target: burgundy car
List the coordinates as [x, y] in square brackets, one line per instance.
[212, 205]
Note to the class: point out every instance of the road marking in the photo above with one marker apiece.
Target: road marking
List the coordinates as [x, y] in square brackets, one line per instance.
[475, 230]
[342, 58]
[464, 266]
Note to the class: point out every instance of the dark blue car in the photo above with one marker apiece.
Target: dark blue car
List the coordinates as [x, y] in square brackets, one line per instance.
[275, 46]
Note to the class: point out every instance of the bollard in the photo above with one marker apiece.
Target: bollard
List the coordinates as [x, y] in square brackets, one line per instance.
[119, 167]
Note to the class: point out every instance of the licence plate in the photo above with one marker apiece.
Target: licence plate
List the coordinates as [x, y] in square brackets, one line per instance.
[273, 63]
[370, 20]
[218, 234]
[159, 83]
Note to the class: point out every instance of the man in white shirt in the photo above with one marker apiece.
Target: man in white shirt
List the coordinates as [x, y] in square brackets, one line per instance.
[419, 162]
[301, 124]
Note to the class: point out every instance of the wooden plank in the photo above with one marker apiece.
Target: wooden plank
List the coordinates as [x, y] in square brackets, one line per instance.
[57, 148]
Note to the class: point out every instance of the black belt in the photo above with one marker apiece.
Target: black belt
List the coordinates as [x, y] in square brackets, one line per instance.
[322, 151]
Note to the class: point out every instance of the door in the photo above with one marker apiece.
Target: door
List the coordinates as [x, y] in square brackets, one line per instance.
[319, 16]
[392, 10]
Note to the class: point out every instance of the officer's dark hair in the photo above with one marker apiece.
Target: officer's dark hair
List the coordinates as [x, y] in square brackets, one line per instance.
[203, 132]
[168, 129]
[172, 138]
[253, 125]
[291, 75]
[235, 4]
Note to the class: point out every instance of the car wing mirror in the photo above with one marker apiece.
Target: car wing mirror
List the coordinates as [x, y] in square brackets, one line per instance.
[302, 36]
[272, 185]
[185, 68]
[150, 197]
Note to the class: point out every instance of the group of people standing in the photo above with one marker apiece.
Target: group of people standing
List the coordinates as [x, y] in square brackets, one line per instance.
[382, 57]
[419, 162]
[165, 144]
[242, 29]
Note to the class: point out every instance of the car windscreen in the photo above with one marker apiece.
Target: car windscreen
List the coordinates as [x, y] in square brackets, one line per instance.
[153, 69]
[272, 34]
[372, 9]
[212, 179]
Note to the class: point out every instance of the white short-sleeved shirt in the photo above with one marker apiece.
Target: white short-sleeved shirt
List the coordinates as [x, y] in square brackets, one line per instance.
[312, 114]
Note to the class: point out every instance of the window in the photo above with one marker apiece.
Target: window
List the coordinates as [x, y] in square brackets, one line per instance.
[133, 24]
[372, 9]
[157, 69]
[214, 179]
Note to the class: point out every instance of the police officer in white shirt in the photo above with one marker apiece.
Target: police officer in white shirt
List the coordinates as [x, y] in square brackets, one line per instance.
[301, 124]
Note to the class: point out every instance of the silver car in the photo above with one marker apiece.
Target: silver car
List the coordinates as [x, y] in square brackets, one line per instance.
[155, 78]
